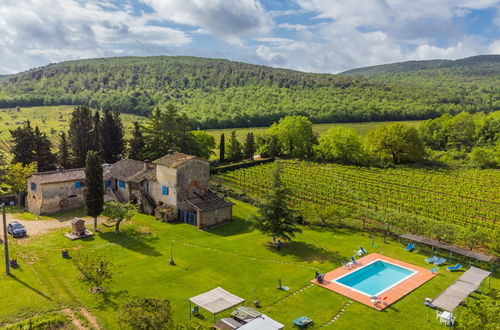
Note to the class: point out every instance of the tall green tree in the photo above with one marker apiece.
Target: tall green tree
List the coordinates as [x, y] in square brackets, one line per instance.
[340, 144]
[274, 218]
[249, 147]
[79, 127]
[222, 148]
[15, 177]
[44, 157]
[136, 143]
[296, 136]
[234, 151]
[203, 144]
[63, 156]
[94, 187]
[396, 141]
[23, 144]
[96, 133]
[112, 137]
[167, 129]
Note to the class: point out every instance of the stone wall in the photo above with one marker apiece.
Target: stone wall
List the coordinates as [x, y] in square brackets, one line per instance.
[54, 197]
[214, 217]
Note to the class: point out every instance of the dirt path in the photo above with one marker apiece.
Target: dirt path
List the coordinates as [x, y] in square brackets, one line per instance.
[77, 322]
[39, 227]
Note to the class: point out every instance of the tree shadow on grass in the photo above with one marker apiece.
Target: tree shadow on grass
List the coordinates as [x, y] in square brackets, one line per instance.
[133, 240]
[40, 293]
[109, 299]
[236, 227]
[306, 252]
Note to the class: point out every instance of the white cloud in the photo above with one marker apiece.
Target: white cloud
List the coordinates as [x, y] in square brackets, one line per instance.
[230, 20]
[494, 47]
[36, 32]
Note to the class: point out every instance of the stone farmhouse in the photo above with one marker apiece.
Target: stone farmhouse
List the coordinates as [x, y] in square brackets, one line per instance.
[173, 187]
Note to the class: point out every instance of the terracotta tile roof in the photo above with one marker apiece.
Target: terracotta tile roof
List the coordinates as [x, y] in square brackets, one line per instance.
[124, 169]
[73, 174]
[175, 160]
[149, 174]
[207, 202]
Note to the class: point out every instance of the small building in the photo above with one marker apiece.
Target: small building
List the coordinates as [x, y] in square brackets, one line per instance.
[173, 187]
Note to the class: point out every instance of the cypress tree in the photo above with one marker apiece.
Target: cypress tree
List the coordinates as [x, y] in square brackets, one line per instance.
[44, 157]
[63, 159]
[96, 133]
[249, 146]
[112, 137]
[94, 187]
[79, 128]
[136, 143]
[222, 148]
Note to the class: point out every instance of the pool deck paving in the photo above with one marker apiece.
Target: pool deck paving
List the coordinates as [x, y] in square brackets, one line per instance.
[391, 295]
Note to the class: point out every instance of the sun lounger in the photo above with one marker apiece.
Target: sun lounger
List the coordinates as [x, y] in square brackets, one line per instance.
[433, 270]
[346, 264]
[353, 260]
[362, 249]
[431, 260]
[456, 267]
[410, 247]
[440, 261]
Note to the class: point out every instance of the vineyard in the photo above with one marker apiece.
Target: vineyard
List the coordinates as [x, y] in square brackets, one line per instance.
[464, 196]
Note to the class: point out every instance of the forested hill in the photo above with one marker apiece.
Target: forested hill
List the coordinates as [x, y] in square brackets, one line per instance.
[483, 65]
[220, 93]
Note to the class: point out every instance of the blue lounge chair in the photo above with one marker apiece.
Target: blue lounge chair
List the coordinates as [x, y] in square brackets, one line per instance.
[362, 249]
[456, 267]
[431, 260]
[440, 261]
[410, 247]
[346, 265]
[353, 260]
[433, 270]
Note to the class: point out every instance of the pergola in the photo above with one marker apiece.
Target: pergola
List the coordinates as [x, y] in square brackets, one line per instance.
[451, 248]
[215, 301]
[460, 290]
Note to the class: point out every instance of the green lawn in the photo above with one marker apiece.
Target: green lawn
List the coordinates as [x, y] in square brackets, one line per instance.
[233, 256]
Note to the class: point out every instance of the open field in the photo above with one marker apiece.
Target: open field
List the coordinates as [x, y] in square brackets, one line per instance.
[51, 119]
[461, 196]
[233, 256]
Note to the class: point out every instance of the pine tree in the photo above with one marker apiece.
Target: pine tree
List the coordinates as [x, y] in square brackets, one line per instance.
[234, 152]
[222, 148]
[23, 144]
[94, 188]
[96, 133]
[249, 146]
[44, 157]
[274, 218]
[63, 158]
[79, 128]
[136, 143]
[112, 137]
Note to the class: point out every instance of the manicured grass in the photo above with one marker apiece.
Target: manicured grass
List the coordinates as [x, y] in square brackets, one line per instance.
[233, 256]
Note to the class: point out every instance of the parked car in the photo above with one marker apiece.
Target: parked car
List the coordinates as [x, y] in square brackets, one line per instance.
[16, 229]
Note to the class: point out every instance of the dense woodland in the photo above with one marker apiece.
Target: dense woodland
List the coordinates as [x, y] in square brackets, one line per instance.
[216, 93]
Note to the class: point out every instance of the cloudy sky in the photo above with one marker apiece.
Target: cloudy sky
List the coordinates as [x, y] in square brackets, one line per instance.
[309, 35]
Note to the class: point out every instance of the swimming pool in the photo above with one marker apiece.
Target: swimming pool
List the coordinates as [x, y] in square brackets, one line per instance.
[375, 278]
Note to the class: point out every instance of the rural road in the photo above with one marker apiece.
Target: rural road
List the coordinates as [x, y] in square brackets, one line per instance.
[38, 227]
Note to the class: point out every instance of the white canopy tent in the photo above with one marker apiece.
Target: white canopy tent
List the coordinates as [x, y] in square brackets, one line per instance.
[216, 301]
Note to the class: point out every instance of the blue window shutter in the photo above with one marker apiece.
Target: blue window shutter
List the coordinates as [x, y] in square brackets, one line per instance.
[108, 183]
[33, 186]
[164, 190]
[78, 185]
[122, 184]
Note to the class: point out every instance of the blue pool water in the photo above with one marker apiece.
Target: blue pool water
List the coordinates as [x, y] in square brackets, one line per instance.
[375, 278]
